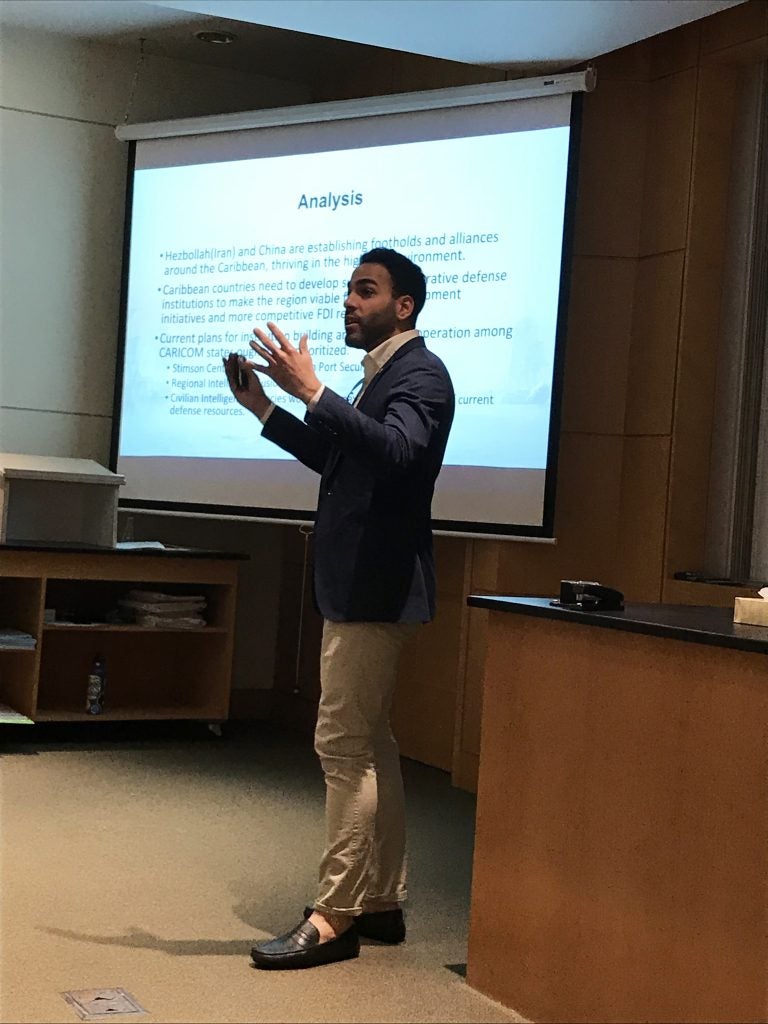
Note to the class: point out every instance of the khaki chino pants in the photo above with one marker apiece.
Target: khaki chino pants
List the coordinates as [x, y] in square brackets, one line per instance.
[364, 861]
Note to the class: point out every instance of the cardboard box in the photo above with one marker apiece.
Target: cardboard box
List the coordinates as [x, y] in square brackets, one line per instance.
[752, 611]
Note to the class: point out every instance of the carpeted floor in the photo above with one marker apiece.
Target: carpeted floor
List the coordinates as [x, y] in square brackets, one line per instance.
[150, 858]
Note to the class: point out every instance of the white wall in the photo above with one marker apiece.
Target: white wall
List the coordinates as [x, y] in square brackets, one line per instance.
[62, 191]
[62, 187]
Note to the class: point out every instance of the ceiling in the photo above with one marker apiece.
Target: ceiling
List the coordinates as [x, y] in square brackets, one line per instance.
[278, 37]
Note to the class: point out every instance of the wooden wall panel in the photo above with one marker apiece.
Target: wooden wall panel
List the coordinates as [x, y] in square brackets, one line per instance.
[475, 661]
[424, 713]
[672, 102]
[425, 700]
[481, 569]
[297, 663]
[433, 663]
[451, 555]
[589, 488]
[598, 344]
[687, 592]
[466, 753]
[481, 575]
[586, 521]
[640, 554]
[485, 564]
[736, 25]
[753, 51]
[628, 64]
[378, 72]
[653, 354]
[677, 50]
[700, 314]
[611, 167]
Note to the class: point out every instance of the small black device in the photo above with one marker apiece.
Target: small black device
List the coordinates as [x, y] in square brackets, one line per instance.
[587, 595]
[242, 374]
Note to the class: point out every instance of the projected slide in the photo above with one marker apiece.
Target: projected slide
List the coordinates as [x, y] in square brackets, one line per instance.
[234, 227]
[220, 248]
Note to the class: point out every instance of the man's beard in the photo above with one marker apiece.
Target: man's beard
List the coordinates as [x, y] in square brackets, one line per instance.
[357, 338]
[368, 333]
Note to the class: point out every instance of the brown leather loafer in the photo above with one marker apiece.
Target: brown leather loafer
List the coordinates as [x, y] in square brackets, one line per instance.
[382, 925]
[302, 948]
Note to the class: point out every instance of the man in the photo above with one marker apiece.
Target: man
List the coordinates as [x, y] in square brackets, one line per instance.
[374, 582]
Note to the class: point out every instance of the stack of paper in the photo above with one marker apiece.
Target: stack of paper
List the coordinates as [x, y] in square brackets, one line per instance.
[166, 611]
[16, 640]
[10, 717]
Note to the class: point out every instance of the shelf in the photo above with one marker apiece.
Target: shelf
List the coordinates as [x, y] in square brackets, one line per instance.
[17, 650]
[127, 714]
[163, 672]
[107, 627]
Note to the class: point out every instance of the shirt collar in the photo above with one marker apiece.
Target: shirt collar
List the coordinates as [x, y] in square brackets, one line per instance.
[374, 360]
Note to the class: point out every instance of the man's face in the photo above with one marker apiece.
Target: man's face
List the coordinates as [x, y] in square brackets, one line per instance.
[371, 312]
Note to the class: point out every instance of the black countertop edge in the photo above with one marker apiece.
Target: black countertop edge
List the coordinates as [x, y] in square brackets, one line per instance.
[148, 552]
[692, 623]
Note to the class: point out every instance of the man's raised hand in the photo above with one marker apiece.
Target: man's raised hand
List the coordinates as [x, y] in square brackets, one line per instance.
[289, 367]
[244, 384]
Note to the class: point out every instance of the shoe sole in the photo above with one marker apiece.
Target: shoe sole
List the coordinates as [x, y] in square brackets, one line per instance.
[378, 938]
[297, 961]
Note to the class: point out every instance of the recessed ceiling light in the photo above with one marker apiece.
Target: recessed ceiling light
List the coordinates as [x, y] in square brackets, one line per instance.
[219, 38]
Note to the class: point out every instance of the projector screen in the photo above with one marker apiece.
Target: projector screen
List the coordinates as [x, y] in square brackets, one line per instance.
[227, 230]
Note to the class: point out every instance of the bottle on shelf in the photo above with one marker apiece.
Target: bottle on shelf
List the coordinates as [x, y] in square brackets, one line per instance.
[97, 680]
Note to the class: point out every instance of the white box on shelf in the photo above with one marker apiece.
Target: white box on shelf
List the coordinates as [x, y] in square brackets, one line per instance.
[58, 501]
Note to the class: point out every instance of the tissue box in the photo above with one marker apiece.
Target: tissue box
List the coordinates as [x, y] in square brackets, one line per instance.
[751, 610]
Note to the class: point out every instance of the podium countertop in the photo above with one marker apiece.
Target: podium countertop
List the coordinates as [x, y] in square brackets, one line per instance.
[692, 623]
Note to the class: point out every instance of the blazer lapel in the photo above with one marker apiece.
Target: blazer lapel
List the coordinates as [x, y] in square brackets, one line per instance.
[365, 398]
[376, 380]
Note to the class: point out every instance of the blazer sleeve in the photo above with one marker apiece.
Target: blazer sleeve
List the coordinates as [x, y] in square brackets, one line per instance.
[296, 438]
[417, 408]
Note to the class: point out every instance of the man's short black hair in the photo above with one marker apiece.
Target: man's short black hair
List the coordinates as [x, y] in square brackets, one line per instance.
[407, 278]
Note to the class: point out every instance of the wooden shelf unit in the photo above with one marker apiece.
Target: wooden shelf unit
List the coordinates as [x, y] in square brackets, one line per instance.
[151, 673]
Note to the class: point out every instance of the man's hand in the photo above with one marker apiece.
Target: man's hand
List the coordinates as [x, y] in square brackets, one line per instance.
[290, 368]
[251, 394]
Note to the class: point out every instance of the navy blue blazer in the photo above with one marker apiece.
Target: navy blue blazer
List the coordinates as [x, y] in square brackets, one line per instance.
[378, 464]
